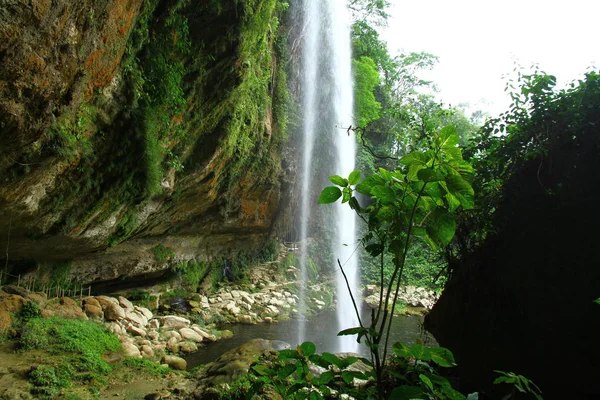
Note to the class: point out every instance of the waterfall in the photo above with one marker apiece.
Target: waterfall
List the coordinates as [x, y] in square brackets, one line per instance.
[327, 108]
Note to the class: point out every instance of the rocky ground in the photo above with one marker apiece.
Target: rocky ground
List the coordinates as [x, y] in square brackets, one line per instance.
[162, 336]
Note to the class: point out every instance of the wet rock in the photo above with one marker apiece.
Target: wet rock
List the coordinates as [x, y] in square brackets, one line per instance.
[175, 362]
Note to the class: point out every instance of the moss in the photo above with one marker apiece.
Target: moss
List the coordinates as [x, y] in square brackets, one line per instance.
[162, 253]
[148, 367]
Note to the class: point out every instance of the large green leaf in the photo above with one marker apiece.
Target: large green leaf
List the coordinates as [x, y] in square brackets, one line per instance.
[420, 352]
[416, 157]
[308, 348]
[448, 137]
[430, 175]
[368, 183]
[384, 194]
[332, 359]
[426, 381]
[442, 356]
[462, 190]
[329, 195]
[402, 350]
[354, 177]
[286, 371]
[338, 180]
[441, 226]
[463, 169]
[326, 377]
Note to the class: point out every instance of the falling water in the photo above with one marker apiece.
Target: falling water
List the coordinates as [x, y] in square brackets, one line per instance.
[327, 113]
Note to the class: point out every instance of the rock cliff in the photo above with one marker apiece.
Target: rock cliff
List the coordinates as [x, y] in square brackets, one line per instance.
[127, 124]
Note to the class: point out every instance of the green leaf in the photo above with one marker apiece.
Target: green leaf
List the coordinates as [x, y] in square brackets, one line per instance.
[286, 371]
[442, 357]
[420, 352]
[426, 381]
[332, 358]
[348, 361]
[374, 249]
[430, 175]
[402, 350]
[368, 183]
[462, 190]
[346, 195]
[597, 301]
[352, 331]
[384, 194]
[326, 377]
[285, 355]
[453, 202]
[405, 392]
[415, 158]
[354, 177]
[338, 180]
[262, 370]
[294, 388]
[441, 226]
[448, 137]
[314, 395]
[329, 195]
[308, 349]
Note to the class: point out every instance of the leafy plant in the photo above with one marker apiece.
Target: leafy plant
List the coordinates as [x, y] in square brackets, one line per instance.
[417, 200]
[518, 382]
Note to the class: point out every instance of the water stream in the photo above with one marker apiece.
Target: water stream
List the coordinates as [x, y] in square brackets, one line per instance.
[327, 112]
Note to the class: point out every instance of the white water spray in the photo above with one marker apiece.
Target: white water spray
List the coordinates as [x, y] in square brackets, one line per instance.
[327, 112]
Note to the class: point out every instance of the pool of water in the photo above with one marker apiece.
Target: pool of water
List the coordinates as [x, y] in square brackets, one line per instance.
[321, 330]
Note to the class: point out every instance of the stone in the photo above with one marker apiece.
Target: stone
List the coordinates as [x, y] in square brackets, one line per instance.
[268, 320]
[173, 345]
[204, 333]
[145, 312]
[130, 350]
[147, 351]
[175, 362]
[63, 309]
[115, 328]
[10, 304]
[174, 322]
[92, 301]
[188, 347]
[136, 331]
[226, 296]
[153, 335]
[136, 318]
[245, 319]
[170, 334]
[248, 299]
[154, 324]
[319, 302]
[112, 312]
[106, 299]
[277, 302]
[126, 304]
[93, 311]
[190, 334]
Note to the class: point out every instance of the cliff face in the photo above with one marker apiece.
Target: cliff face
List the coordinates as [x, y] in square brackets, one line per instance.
[126, 124]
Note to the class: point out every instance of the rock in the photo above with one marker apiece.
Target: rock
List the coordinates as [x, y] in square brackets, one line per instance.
[136, 331]
[319, 302]
[190, 334]
[170, 334]
[204, 333]
[272, 310]
[145, 312]
[106, 299]
[93, 311]
[115, 328]
[113, 312]
[130, 350]
[136, 318]
[64, 309]
[147, 351]
[245, 319]
[173, 345]
[154, 324]
[188, 347]
[92, 301]
[268, 320]
[16, 290]
[174, 322]
[153, 335]
[226, 296]
[248, 299]
[175, 362]
[126, 304]
[10, 304]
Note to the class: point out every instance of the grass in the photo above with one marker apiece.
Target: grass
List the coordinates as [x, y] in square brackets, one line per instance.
[146, 366]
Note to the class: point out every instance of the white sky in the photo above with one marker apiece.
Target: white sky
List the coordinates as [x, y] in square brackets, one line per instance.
[478, 41]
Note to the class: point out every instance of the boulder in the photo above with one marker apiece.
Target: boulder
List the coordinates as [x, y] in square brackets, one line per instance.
[130, 350]
[93, 311]
[174, 322]
[175, 362]
[136, 331]
[173, 345]
[145, 312]
[92, 301]
[113, 312]
[10, 304]
[147, 351]
[154, 324]
[64, 308]
[188, 347]
[115, 328]
[126, 304]
[171, 334]
[136, 318]
[190, 334]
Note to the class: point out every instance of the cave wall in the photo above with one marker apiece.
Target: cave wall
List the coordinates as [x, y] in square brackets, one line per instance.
[126, 124]
[523, 302]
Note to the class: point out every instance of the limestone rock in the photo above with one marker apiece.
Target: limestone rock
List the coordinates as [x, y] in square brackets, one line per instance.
[9, 305]
[64, 309]
[91, 301]
[145, 312]
[172, 334]
[175, 362]
[154, 324]
[136, 318]
[173, 345]
[188, 347]
[136, 331]
[147, 351]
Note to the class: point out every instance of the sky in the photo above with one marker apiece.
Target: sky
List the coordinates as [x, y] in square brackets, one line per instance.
[478, 42]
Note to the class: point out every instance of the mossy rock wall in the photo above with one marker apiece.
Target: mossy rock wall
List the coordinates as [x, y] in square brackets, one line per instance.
[132, 123]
